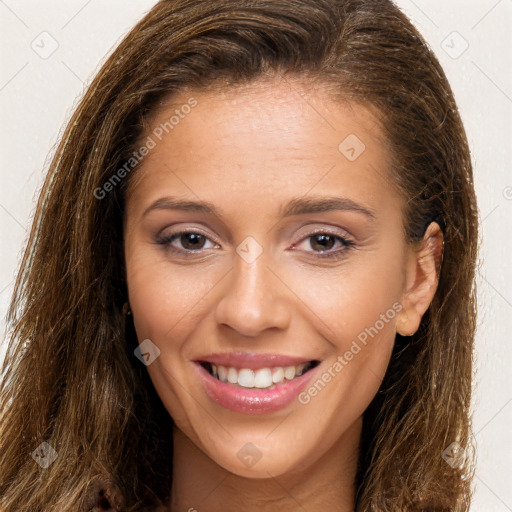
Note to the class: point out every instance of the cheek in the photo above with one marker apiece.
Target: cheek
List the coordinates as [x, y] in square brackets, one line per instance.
[165, 299]
[346, 302]
[359, 322]
[354, 308]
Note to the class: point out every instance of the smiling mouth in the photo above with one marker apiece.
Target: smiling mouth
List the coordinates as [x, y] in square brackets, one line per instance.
[265, 378]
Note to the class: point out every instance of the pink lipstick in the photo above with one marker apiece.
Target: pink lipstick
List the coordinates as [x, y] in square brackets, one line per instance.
[254, 383]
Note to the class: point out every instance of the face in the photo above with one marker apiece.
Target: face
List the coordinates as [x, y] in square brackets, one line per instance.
[264, 244]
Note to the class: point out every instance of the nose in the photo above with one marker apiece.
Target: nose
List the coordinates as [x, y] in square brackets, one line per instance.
[253, 299]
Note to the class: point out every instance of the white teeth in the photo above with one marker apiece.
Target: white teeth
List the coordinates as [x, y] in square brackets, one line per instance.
[260, 378]
[232, 376]
[278, 375]
[222, 373]
[263, 378]
[246, 378]
[289, 372]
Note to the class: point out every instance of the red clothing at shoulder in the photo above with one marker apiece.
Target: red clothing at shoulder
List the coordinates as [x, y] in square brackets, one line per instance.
[102, 504]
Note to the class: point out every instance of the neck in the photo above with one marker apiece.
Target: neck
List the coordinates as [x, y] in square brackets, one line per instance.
[199, 484]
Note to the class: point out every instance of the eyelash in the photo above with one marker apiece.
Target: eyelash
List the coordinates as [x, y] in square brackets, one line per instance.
[338, 254]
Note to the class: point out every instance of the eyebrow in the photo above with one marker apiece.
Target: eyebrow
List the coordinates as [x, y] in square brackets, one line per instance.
[297, 206]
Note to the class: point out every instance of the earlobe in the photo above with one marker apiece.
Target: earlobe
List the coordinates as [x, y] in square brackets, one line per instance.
[422, 280]
[403, 324]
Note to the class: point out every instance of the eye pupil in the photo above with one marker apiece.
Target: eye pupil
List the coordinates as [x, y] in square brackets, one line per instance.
[323, 242]
[192, 238]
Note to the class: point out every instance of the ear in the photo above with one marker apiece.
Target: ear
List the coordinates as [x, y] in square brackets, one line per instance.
[422, 277]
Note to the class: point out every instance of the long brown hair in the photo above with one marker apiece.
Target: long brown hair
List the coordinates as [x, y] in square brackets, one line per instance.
[70, 377]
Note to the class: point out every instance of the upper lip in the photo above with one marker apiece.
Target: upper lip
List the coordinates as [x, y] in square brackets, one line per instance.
[251, 360]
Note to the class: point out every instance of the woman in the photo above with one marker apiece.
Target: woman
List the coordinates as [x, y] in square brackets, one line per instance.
[250, 279]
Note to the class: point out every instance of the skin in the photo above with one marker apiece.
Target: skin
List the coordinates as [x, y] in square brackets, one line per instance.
[249, 150]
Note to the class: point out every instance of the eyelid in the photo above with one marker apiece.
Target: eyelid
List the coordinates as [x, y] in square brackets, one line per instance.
[186, 229]
[308, 231]
[331, 254]
[346, 243]
[334, 231]
[166, 242]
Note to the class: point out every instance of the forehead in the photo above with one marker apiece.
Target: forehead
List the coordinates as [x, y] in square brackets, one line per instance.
[279, 138]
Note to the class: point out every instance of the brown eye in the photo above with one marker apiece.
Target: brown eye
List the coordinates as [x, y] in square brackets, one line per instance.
[192, 241]
[323, 245]
[185, 242]
[322, 242]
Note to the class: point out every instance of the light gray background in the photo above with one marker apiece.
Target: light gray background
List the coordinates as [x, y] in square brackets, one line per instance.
[38, 92]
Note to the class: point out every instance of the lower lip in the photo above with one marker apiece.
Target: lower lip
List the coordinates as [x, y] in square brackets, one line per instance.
[253, 400]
